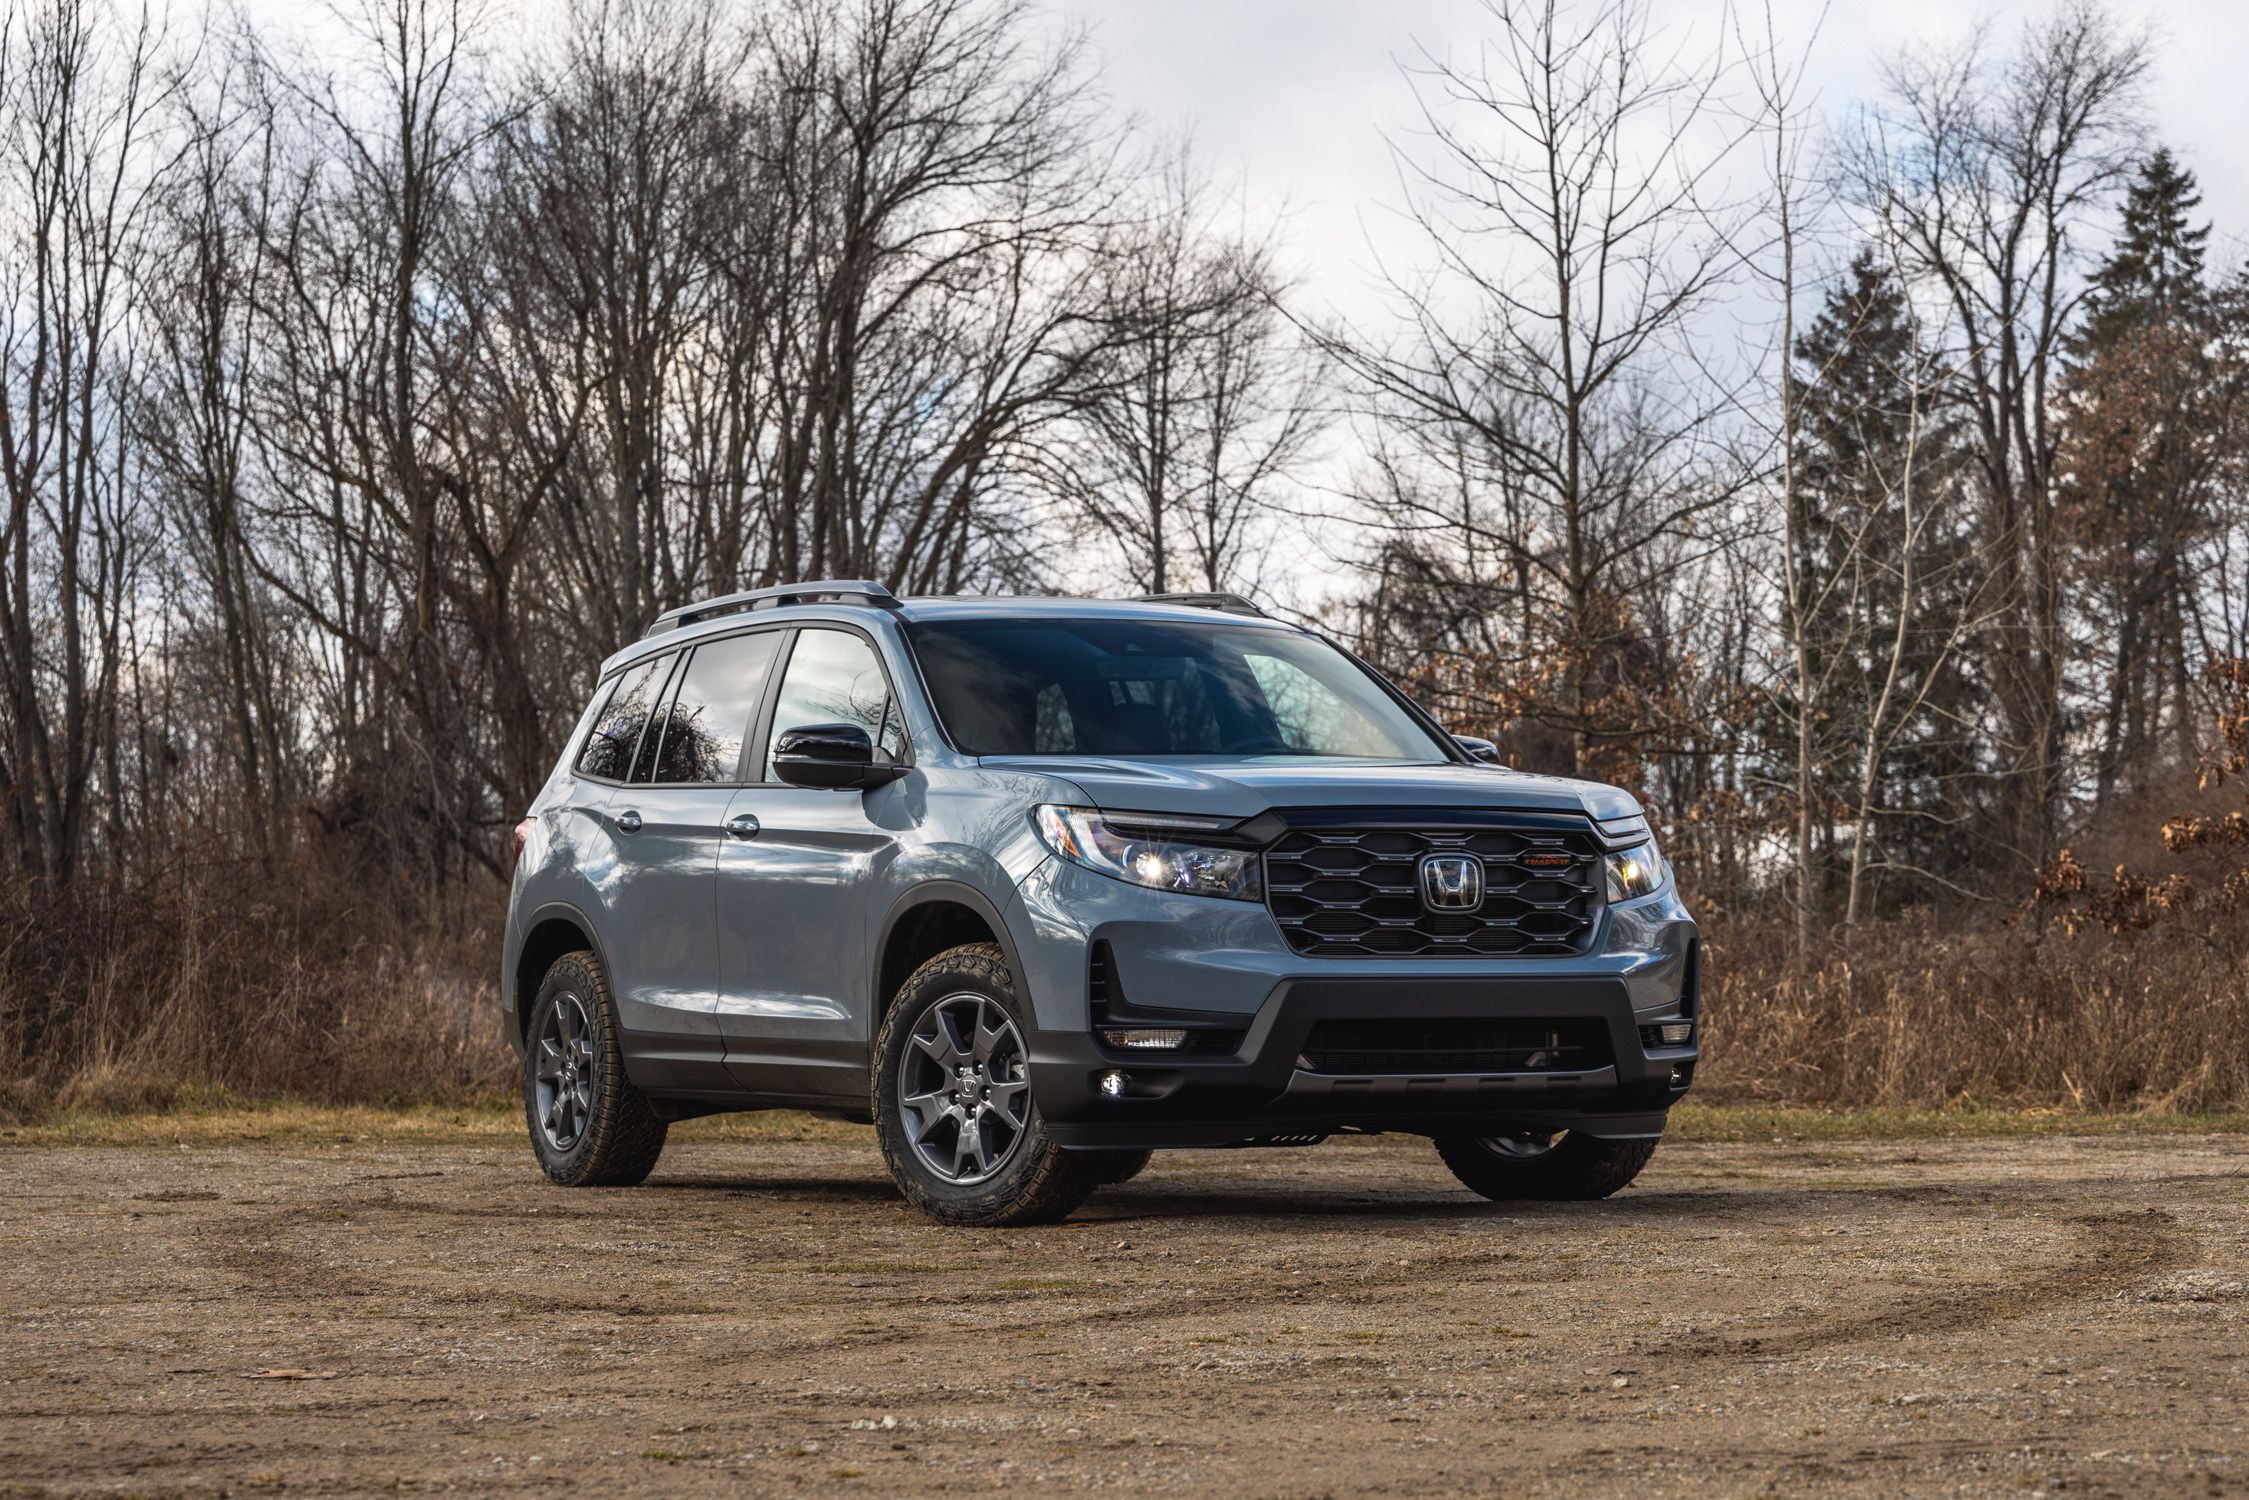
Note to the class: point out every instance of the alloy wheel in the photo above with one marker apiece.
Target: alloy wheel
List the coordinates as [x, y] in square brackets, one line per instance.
[963, 1093]
[563, 1077]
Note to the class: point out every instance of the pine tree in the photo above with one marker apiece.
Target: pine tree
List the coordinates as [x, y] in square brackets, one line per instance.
[2155, 270]
[1885, 569]
[2147, 388]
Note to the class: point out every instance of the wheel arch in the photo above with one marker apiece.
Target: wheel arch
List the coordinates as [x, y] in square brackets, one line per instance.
[927, 921]
[549, 932]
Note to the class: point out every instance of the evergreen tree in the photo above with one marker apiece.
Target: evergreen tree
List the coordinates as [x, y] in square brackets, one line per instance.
[1887, 572]
[2155, 270]
[2147, 392]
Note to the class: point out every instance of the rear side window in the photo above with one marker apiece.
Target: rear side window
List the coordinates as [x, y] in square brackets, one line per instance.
[709, 717]
[617, 729]
[835, 678]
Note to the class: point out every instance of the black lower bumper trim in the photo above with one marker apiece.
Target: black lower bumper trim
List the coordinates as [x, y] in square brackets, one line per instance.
[1265, 1088]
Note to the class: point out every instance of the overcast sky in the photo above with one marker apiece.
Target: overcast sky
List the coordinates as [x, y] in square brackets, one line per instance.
[1291, 95]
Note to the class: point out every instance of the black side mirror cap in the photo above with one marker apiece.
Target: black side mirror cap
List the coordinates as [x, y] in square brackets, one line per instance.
[1479, 749]
[835, 757]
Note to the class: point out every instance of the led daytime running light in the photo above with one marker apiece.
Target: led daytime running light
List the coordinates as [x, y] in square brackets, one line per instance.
[1143, 849]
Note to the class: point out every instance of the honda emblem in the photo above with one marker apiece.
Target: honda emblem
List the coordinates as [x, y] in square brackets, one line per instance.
[1452, 882]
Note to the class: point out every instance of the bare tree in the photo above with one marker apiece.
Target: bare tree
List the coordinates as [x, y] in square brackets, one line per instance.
[365, 483]
[1779, 126]
[81, 100]
[194, 418]
[1203, 410]
[1527, 404]
[1987, 172]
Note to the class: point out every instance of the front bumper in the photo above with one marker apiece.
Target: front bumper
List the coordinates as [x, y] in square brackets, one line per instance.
[1223, 965]
[1263, 1090]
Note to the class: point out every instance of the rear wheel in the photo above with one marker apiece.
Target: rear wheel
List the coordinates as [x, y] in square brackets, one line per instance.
[589, 1126]
[1544, 1165]
[953, 1110]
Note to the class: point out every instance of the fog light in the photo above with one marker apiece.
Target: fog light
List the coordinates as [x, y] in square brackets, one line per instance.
[1144, 1039]
[1113, 1084]
[1676, 1033]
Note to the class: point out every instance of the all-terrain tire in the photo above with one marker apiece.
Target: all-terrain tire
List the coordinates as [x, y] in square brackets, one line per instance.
[1038, 1182]
[621, 1136]
[1575, 1168]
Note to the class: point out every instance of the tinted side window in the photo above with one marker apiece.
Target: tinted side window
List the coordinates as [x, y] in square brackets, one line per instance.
[710, 714]
[835, 678]
[667, 682]
[617, 728]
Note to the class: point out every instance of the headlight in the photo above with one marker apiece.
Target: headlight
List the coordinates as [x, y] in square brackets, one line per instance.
[1148, 849]
[1633, 872]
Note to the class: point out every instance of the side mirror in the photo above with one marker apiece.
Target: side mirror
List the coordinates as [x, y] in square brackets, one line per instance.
[832, 756]
[1479, 749]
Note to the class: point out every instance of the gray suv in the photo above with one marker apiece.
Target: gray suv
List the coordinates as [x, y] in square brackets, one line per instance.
[1038, 886]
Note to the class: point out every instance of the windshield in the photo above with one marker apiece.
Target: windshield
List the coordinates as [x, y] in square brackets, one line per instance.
[1135, 688]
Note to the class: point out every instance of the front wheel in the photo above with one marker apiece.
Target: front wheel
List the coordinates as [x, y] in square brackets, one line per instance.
[952, 1101]
[1541, 1165]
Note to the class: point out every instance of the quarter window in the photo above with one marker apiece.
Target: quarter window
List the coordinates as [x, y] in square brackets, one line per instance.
[608, 751]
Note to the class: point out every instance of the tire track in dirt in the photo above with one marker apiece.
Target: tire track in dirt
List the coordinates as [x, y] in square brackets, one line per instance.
[2115, 1250]
[2118, 1248]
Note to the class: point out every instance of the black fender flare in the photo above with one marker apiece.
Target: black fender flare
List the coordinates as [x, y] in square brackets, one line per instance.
[511, 1001]
[953, 892]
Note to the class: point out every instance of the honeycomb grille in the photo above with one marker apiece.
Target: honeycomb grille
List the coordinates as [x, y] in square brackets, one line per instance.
[1355, 891]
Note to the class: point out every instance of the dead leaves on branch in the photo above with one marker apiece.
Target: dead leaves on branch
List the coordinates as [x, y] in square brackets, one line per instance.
[2130, 902]
[2125, 902]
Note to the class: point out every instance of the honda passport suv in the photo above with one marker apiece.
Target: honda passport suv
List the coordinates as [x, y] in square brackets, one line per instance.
[1038, 886]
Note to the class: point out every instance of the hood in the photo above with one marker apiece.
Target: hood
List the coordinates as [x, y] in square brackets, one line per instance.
[1243, 787]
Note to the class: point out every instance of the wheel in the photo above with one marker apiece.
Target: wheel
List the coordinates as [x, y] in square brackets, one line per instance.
[1121, 1166]
[589, 1126]
[953, 1106]
[1541, 1165]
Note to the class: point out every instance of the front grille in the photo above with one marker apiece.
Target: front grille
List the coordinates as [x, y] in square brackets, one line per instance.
[1353, 889]
[1436, 1048]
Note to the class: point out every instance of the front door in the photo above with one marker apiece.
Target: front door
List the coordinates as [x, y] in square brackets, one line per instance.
[798, 886]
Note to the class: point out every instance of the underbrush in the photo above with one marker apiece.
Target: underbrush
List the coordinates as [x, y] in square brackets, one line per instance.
[269, 981]
[2015, 1015]
[248, 981]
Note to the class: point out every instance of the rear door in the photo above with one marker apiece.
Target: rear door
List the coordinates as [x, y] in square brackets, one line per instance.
[797, 898]
[668, 821]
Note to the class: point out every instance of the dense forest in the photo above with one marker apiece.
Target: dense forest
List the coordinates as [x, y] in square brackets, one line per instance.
[1864, 483]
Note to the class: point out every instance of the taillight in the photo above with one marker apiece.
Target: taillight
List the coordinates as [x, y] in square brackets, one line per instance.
[522, 837]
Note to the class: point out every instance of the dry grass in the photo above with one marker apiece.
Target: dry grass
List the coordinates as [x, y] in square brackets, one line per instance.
[267, 981]
[2014, 1016]
[290, 985]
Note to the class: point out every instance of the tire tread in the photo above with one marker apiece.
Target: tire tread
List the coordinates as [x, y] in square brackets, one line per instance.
[1057, 1181]
[627, 1136]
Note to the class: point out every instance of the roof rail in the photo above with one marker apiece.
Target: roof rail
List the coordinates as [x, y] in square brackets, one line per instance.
[1233, 604]
[780, 596]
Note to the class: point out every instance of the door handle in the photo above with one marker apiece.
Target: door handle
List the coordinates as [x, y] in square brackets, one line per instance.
[629, 821]
[742, 826]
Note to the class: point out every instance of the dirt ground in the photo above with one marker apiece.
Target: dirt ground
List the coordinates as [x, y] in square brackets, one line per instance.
[2012, 1316]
